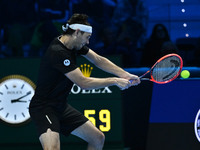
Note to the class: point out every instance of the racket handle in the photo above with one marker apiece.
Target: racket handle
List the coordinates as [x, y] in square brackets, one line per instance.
[147, 79]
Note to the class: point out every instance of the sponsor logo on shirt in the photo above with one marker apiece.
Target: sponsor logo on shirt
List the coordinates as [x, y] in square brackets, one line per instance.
[66, 62]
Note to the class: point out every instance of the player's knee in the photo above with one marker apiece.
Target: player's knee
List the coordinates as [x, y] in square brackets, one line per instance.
[99, 140]
[51, 147]
[50, 140]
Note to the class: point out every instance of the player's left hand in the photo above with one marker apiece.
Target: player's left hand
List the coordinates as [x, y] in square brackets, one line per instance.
[134, 79]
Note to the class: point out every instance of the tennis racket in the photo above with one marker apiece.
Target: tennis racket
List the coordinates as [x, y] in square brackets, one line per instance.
[165, 70]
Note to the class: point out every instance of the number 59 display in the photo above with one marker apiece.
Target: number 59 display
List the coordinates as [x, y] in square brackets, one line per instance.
[104, 118]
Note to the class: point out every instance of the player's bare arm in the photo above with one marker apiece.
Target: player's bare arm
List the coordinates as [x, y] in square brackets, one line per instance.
[106, 65]
[88, 83]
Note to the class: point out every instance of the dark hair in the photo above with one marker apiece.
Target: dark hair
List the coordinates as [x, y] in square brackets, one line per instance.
[154, 35]
[77, 18]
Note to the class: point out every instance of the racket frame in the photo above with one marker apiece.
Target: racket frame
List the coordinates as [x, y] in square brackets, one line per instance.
[163, 82]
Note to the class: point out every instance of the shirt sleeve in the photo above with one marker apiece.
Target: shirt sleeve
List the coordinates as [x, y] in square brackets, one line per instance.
[83, 51]
[63, 62]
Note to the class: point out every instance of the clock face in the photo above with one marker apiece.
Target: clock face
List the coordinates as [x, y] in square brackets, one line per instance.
[16, 92]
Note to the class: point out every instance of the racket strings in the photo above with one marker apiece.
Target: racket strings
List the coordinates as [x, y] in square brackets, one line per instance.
[166, 69]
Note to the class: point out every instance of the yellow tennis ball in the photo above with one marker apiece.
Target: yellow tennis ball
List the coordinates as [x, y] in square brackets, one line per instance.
[185, 74]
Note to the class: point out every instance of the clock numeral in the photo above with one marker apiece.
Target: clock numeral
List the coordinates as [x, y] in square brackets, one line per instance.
[23, 115]
[15, 117]
[6, 86]
[29, 92]
[1, 108]
[1, 93]
[22, 86]
[7, 115]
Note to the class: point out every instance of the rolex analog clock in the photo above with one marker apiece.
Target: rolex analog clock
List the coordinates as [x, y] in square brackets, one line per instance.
[16, 92]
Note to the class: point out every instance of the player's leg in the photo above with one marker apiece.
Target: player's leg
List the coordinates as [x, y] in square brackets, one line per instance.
[90, 134]
[48, 127]
[50, 140]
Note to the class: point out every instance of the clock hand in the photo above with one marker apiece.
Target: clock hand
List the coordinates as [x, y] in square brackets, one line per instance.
[21, 101]
[18, 99]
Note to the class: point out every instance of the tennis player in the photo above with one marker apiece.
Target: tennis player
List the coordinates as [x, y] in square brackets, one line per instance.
[58, 72]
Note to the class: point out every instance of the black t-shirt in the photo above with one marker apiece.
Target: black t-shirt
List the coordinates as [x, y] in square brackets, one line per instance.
[53, 86]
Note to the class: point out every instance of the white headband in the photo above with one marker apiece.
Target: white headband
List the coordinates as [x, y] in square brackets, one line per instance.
[82, 27]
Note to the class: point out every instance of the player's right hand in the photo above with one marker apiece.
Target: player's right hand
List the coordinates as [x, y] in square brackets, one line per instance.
[123, 83]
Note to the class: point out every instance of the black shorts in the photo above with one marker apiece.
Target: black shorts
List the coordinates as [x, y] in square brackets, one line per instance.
[63, 123]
